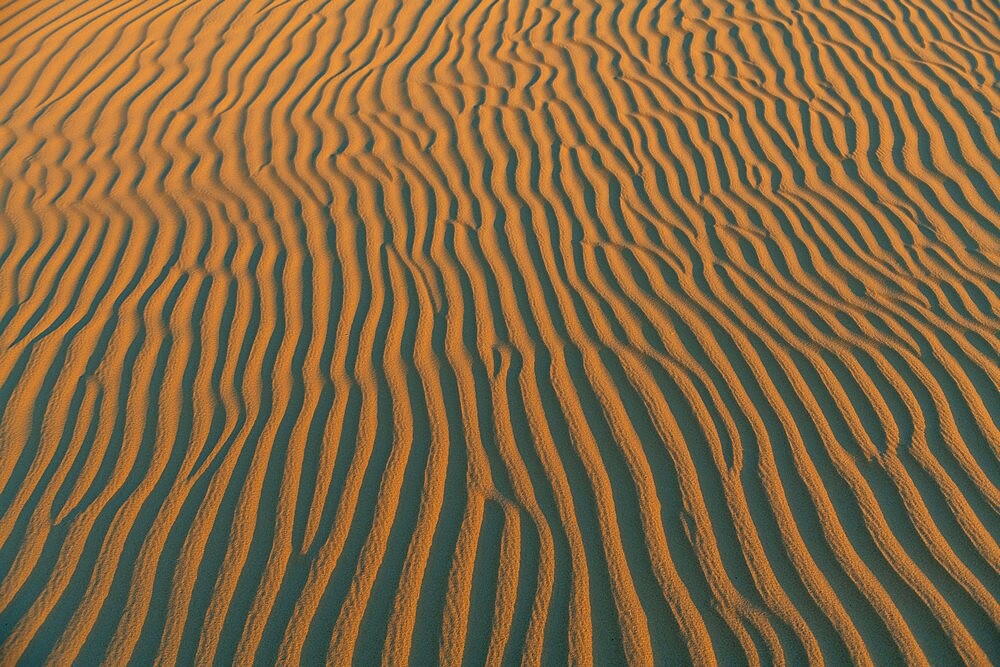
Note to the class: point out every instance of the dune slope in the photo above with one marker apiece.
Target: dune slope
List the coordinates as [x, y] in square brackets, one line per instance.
[499, 330]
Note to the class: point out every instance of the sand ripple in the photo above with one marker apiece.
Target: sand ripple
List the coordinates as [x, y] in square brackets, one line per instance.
[658, 331]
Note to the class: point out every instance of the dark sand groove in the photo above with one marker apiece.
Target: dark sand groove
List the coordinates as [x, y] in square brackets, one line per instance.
[499, 331]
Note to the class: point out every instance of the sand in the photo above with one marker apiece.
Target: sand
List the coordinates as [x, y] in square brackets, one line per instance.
[499, 331]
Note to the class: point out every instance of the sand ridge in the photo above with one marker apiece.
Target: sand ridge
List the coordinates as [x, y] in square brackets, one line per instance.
[499, 331]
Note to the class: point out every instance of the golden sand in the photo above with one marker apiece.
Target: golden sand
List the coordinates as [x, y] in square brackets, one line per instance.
[499, 331]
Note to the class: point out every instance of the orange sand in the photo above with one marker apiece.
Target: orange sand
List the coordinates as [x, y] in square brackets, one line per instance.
[499, 331]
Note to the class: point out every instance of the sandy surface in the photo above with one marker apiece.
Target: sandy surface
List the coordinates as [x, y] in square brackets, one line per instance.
[492, 330]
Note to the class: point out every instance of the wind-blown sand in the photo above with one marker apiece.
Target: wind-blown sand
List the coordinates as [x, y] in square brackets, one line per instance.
[484, 330]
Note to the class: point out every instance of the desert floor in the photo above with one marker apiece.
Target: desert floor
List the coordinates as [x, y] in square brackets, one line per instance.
[494, 331]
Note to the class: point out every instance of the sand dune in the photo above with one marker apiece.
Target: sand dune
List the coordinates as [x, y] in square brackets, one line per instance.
[499, 331]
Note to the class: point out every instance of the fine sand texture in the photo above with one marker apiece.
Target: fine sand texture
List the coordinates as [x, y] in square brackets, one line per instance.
[499, 331]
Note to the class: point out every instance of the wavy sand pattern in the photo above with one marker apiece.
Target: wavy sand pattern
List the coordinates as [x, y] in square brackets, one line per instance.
[489, 330]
